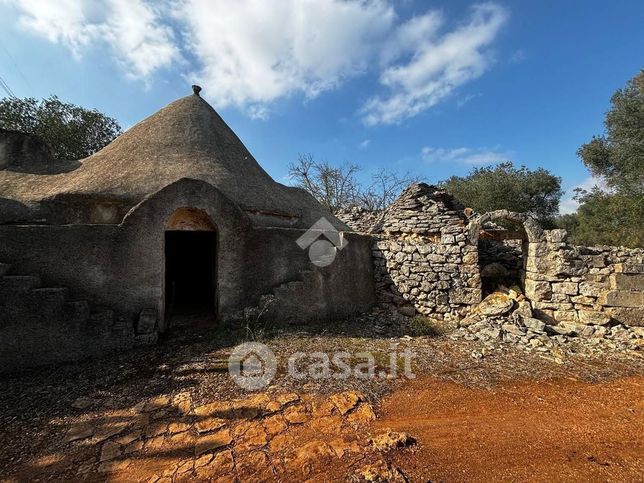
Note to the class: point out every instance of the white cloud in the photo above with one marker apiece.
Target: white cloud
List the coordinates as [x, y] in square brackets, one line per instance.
[250, 53]
[463, 155]
[133, 29]
[365, 143]
[255, 51]
[434, 65]
[569, 204]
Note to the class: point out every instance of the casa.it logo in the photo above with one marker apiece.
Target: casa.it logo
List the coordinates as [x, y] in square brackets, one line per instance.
[252, 365]
[323, 242]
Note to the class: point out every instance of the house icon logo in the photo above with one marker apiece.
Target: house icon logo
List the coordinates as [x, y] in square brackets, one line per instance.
[322, 251]
[252, 365]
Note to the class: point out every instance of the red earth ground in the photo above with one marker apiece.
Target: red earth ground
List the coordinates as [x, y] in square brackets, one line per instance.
[558, 430]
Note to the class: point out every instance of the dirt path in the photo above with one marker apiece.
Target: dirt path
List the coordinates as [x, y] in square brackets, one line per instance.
[538, 431]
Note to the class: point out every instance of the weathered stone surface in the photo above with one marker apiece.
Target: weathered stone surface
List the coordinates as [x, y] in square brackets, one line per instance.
[633, 316]
[346, 401]
[568, 288]
[209, 424]
[622, 298]
[407, 310]
[496, 304]
[79, 431]
[212, 441]
[535, 325]
[626, 281]
[390, 440]
[380, 471]
[568, 328]
[629, 267]
[592, 317]
[535, 290]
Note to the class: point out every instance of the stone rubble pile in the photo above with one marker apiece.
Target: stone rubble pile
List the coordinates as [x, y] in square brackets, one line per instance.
[505, 317]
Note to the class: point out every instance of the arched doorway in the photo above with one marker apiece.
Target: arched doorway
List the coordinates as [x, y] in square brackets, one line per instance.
[503, 238]
[190, 267]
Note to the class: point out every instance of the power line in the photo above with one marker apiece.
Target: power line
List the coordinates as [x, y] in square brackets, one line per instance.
[15, 64]
[6, 88]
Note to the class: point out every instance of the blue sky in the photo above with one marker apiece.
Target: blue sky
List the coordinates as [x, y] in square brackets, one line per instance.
[427, 87]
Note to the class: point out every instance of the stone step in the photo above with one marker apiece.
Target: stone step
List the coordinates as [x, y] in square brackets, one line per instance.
[4, 268]
[19, 283]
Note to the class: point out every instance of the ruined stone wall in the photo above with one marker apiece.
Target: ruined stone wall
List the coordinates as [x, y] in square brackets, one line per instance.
[428, 257]
[423, 260]
[584, 285]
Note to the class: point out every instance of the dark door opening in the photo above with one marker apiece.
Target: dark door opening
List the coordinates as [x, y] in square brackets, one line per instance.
[190, 272]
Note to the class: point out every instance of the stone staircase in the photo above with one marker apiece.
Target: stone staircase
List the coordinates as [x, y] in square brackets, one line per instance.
[43, 325]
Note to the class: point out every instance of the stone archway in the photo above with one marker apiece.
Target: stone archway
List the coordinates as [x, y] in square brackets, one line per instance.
[190, 257]
[503, 253]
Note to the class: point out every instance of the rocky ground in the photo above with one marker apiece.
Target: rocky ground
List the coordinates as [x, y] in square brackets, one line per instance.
[172, 412]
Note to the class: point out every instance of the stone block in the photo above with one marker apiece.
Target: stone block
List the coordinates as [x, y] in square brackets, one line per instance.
[565, 315]
[591, 289]
[465, 296]
[629, 267]
[633, 316]
[555, 236]
[537, 290]
[622, 298]
[627, 281]
[535, 325]
[147, 321]
[568, 328]
[568, 288]
[593, 317]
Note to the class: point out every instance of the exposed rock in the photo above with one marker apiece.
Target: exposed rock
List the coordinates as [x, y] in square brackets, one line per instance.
[346, 401]
[391, 440]
[495, 304]
[407, 311]
[79, 431]
[380, 472]
[213, 441]
[535, 325]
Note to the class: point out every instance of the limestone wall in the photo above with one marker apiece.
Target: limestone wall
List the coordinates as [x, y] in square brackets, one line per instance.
[426, 258]
[585, 285]
[423, 258]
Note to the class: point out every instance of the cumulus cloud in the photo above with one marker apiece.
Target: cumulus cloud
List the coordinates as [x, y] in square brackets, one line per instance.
[463, 155]
[250, 53]
[133, 29]
[429, 66]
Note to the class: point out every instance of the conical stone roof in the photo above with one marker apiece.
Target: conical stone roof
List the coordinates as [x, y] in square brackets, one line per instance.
[186, 139]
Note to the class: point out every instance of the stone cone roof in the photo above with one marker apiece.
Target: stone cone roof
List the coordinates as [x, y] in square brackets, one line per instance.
[421, 209]
[186, 139]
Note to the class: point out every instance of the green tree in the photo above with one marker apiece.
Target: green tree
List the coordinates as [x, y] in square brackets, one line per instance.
[505, 187]
[615, 217]
[71, 132]
[618, 156]
[606, 219]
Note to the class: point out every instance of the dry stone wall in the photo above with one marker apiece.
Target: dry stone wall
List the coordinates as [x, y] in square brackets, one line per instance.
[426, 259]
[584, 285]
[423, 260]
